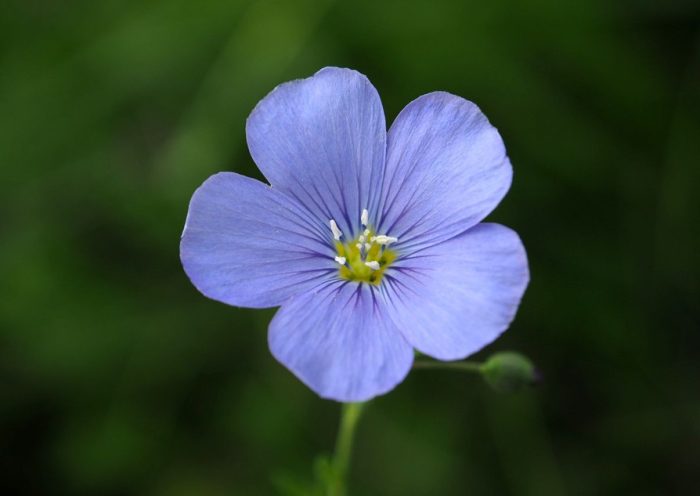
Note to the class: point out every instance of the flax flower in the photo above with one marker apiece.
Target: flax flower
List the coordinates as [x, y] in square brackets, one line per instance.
[371, 242]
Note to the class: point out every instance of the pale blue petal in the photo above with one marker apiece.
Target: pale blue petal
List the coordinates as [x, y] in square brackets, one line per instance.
[446, 170]
[323, 140]
[248, 245]
[340, 343]
[452, 299]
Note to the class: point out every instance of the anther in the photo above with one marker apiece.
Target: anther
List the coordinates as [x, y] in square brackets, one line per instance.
[384, 240]
[340, 260]
[337, 233]
[365, 217]
[374, 265]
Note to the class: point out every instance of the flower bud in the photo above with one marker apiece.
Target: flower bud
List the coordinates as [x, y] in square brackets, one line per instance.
[508, 372]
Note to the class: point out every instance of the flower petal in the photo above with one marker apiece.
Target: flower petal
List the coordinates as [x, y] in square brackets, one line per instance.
[452, 299]
[340, 343]
[446, 170]
[323, 140]
[247, 245]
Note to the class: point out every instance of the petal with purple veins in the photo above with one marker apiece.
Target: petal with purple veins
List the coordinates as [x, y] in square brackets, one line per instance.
[340, 343]
[323, 140]
[248, 245]
[452, 299]
[446, 169]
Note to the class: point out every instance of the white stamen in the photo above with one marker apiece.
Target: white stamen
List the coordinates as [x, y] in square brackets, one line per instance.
[373, 265]
[366, 233]
[365, 217]
[337, 233]
[367, 246]
[340, 260]
[359, 246]
[362, 239]
[384, 240]
[373, 239]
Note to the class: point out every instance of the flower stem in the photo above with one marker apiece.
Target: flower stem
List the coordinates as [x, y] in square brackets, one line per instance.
[474, 367]
[349, 417]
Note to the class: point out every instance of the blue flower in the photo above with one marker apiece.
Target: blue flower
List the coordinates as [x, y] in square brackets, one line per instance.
[370, 241]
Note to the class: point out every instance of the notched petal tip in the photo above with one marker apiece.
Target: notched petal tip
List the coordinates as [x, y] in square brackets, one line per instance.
[339, 71]
[328, 71]
[228, 253]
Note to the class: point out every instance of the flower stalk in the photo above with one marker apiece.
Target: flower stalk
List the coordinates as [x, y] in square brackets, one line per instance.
[505, 372]
[475, 367]
[349, 417]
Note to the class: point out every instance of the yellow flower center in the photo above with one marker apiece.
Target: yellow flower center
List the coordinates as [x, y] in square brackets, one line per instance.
[365, 258]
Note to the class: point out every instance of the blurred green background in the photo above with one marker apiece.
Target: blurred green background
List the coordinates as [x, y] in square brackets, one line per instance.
[118, 378]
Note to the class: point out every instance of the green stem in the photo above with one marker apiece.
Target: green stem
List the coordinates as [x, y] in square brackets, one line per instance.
[474, 367]
[349, 417]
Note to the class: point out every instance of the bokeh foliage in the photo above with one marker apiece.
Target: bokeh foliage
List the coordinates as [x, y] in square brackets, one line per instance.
[119, 378]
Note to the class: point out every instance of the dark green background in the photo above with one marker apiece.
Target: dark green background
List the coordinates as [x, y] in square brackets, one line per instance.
[119, 378]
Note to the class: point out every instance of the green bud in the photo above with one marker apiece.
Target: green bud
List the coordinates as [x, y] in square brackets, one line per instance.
[508, 372]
